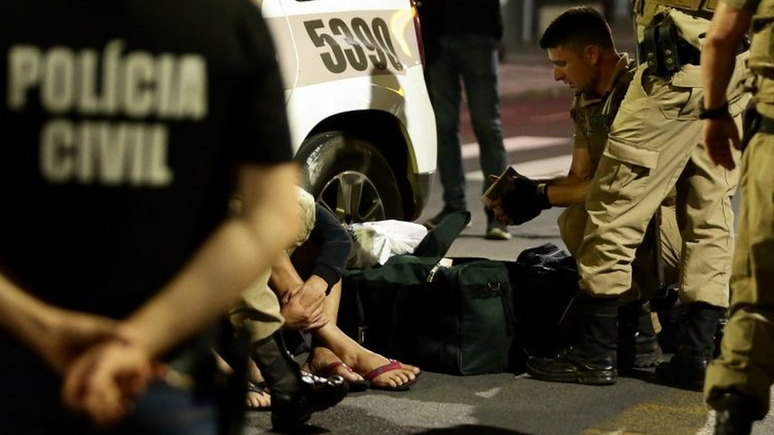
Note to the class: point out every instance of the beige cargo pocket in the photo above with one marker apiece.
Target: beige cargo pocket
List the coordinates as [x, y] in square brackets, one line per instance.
[682, 103]
[623, 170]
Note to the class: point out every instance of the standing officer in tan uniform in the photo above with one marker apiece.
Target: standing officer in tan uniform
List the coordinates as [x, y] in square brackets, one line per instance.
[738, 383]
[654, 146]
[580, 45]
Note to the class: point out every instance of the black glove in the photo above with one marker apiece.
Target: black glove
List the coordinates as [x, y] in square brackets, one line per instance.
[525, 200]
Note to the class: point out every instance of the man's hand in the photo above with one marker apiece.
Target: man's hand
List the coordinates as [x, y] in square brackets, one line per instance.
[68, 334]
[105, 380]
[521, 203]
[304, 309]
[719, 135]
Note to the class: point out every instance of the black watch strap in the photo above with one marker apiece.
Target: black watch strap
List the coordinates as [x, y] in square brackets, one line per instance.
[716, 113]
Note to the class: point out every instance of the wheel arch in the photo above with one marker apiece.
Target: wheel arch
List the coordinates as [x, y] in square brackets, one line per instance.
[387, 134]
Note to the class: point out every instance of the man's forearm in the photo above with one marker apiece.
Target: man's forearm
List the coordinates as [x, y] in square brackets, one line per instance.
[229, 261]
[567, 194]
[724, 35]
[22, 314]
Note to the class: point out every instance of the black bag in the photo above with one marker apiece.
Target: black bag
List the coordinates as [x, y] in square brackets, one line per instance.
[455, 320]
[547, 279]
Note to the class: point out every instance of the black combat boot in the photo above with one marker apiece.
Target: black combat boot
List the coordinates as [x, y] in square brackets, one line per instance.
[592, 358]
[695, 345]
[735, 413]
[294, 395]
[637, 343]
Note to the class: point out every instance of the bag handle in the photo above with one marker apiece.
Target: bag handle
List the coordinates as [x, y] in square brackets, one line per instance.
[438, 241]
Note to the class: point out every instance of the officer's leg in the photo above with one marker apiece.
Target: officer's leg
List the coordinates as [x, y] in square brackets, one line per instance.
[478, 65]
[738, 382]
[707, 230]
[671, 244]
[572, 224]
[479, 74]
[644, 157]
[445, 93]
[294, 396]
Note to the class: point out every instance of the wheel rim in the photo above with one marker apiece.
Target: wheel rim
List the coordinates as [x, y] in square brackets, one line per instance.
[352, 197]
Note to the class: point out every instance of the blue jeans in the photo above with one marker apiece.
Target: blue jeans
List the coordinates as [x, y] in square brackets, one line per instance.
[473, 59]
[30, 405]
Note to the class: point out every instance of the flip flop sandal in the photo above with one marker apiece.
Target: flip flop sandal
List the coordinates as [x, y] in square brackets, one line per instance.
[253, 388]
[392, 365]
[354, 386]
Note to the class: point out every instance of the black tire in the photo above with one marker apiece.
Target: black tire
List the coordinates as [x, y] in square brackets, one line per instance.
[350, 176]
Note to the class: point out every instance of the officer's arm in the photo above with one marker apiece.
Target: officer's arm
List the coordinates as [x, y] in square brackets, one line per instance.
[573, 188]
[726, 31]
[227, 263]
[56, 334]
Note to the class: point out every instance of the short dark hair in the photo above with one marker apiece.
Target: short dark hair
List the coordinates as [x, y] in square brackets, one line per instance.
[578, 26]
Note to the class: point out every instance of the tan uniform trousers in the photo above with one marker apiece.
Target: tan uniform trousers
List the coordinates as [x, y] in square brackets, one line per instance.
[258, 311]
[653, 146]
[747, 361]
[572, 224]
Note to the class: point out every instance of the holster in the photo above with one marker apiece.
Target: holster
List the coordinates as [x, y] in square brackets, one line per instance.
[664, 51]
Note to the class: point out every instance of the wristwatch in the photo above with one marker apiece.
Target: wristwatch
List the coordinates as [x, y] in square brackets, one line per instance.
[716, 113]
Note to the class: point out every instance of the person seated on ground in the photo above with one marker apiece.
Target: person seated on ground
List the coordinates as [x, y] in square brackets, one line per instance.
[311, 305]
[295, 394]
[580, 45]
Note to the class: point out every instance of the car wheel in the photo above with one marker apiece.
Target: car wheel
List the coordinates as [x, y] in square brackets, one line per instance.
[350, 177]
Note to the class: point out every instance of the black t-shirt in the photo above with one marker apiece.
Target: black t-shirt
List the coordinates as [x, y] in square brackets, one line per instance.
[460, 17]
[121, 124]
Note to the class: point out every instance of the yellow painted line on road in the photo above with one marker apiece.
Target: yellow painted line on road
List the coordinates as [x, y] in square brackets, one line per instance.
[676, 412]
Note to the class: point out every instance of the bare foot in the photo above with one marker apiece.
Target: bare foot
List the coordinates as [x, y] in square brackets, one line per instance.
[365, 362]
[323, 362]
[257, 399]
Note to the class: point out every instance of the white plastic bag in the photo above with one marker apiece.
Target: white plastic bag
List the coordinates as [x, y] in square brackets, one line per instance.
[375, 242]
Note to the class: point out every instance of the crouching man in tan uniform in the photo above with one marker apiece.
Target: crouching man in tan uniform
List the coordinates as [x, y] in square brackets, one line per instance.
[738, 383]
[580, 45]
[654, 146]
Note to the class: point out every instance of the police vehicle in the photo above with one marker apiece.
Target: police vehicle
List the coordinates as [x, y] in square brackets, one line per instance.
[360, 117]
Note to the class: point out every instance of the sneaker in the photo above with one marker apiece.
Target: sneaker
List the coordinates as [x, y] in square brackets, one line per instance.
[435, 220]
[497, 231]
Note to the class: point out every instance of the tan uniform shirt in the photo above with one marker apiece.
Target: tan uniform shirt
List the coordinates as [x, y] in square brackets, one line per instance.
[592, 115]
[763, 87]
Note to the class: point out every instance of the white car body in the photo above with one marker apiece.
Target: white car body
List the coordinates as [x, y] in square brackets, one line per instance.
[354, 81]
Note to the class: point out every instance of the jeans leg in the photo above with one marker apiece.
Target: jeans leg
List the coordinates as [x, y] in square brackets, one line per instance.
[445, 93]
[30, 403]
[478, 66]
[164, 410]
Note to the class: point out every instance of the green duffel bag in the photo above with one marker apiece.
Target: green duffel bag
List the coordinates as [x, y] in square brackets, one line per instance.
[451, 319]
[460, 323]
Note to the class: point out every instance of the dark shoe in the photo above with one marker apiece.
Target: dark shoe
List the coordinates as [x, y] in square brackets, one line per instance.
[295, 395]
[446, 211]
[637, 342]
[695, 346]
[734, 413]
[570, 366]
[290, 411]
[592, 359]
